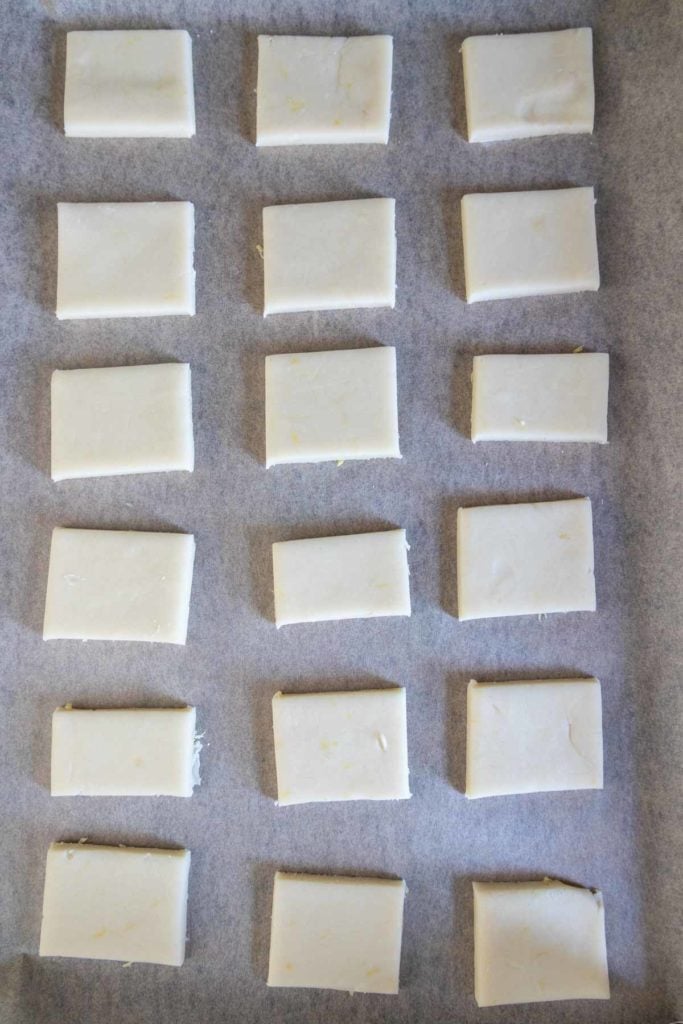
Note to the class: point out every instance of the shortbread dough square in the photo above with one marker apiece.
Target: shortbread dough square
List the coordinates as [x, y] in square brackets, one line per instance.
[124, 752]
[125, 259]
[532, 737]
[130, 84]
[341, 746]
[339, 255]
[538, 942]
[119, 585]
[331, 405]
[357, 576]
[529, 243]
[316, 90]
[535, 83]
[115, 903]
[525, 559]
[559, 397]
[121, 419]
[336, 933]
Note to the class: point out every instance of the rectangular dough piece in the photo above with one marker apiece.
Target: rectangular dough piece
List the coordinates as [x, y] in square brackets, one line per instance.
[536, 942]
[339, 255]
[559, 397]
[121, 419]
[341, 746]
[119, 585]
[115, 903]
[357, 576]
[525, 559]
[529, 243]
[534, 83]
[125, 259]
[124, 752]
[129, 84]
[336, 933]
[324, 406]
[533, 736]
[319, 90]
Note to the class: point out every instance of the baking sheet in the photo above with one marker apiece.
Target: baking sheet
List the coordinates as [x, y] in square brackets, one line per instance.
[625, 840]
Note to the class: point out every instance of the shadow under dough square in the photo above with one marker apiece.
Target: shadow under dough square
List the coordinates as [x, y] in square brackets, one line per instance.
[125, 259]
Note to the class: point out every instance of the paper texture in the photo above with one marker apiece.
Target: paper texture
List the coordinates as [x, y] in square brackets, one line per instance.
[626, 839]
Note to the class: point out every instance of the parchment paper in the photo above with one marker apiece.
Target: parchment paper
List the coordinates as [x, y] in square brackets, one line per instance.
[625, 840]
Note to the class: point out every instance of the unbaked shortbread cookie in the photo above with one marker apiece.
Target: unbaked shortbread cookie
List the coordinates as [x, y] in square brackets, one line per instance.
[339, 255]
[125, 259]
[336, 933]
[535, 83]
[124, 752]
[529, 243]
[119, 585]
[131, 84]
[540, 397]
[537, 942]
[525, 559]
[357, 576]
[115, 903]
[331, 406]
[535, 736]
[341, 746]
[121, 419]
[315, 90]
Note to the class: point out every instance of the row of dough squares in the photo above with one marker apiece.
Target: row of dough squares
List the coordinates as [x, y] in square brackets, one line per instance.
[322, 90]
[137, 259]
[533, 941]
[319, 406]
[524, 559]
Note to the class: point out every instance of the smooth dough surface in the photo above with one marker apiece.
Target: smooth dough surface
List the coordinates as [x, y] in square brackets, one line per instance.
[529, 243]
[125, 259]
[331, 405]
[535, 83]
[316, 90]
[538, 942]
[121, 419]
[118, 585]
[336, 933]
[124, 752]
[131, 84]
[341, 746]
[531, 737]
[525, 559]
[115, 903]
[338, 255]
[559, 397]
[357, 576]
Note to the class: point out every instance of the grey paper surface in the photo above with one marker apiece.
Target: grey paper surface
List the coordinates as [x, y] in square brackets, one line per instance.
[625, 840]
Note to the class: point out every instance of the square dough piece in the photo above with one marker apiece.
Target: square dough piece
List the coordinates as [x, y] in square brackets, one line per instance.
[339, 255]
[532, 737]
[357, 576]
[122, 419]
[336, 933]
[115, 903]
[525, 559]
[536, 83]
[130, 84]
[540, 398]
[125, 259]
[124, 752]
[118, 585]
[324, 406]
[316, 90]
[341, 746]
[537, 942]
[529, 243]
